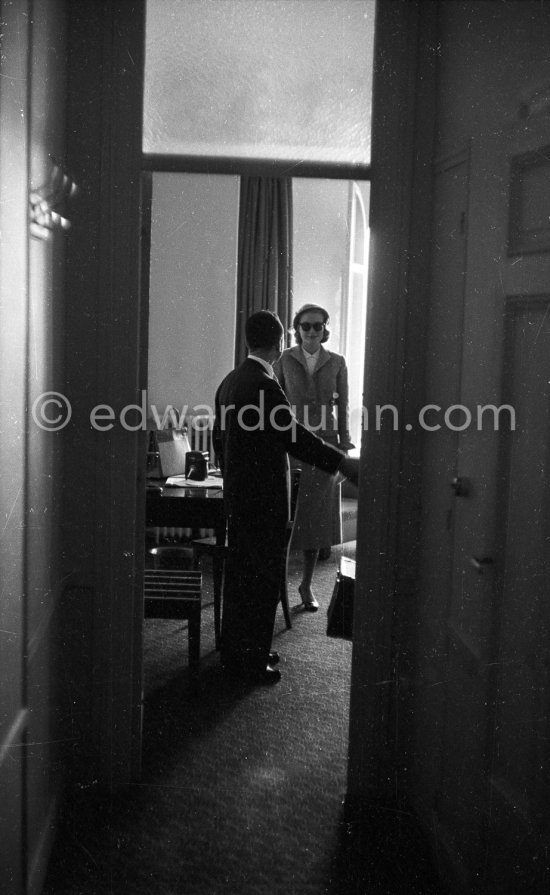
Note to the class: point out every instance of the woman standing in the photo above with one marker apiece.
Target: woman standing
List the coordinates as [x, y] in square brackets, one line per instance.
[316, 384]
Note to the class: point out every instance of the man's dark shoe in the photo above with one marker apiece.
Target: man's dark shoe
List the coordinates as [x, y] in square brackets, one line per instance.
[324, 553]
[267, 675]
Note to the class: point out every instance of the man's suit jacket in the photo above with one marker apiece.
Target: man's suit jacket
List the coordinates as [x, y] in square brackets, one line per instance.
[254, 430]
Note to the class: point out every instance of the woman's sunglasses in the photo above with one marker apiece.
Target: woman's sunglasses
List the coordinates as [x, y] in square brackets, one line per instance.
[315, 326]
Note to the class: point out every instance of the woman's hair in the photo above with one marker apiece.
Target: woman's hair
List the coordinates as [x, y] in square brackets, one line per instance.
[303, 310]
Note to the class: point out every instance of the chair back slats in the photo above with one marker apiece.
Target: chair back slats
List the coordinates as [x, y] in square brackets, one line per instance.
[171, 593]
[163, 590]
[172, 583]
[176, 594]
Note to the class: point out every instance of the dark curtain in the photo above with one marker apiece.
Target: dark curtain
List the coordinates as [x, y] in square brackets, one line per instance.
[264, 272]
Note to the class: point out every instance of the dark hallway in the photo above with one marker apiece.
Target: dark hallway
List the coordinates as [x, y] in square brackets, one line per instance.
[243, 789]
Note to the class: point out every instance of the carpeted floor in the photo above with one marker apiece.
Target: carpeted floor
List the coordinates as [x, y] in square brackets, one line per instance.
[242, 788]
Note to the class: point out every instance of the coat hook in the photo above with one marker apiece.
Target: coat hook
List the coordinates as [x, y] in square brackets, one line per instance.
[44, 218]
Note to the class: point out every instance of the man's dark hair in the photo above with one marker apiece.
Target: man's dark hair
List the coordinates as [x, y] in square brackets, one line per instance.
[263, 330]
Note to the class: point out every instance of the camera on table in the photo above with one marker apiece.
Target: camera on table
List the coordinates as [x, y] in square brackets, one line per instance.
[196, 467]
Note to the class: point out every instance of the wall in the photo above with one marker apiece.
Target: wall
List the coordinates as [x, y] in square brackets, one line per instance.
[192, 287]
[47, 707]
[32, 316]
[193, 276]
[13, 334]
[492, 58]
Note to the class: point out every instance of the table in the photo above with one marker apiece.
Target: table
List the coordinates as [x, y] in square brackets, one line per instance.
[191, 508]
[186, 508]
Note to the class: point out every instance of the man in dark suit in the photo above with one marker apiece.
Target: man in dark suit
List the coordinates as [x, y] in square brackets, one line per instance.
[254, 430]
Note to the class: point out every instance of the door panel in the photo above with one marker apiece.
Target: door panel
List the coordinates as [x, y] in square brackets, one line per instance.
[519, 773]
[519, 778]
[491, 736]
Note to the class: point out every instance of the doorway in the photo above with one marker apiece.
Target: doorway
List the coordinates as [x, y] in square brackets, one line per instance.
[192, 290]
[192, 280]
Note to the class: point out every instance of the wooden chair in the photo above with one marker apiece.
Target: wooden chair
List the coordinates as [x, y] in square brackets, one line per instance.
[171, 554]
[295, 473]
[208, 547]
[176, 594]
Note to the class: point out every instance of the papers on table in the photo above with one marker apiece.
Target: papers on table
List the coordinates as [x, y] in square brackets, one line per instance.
[180, 481]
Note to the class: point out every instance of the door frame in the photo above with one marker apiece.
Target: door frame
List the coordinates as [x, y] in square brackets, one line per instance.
[104, 517]
[107, 329]
[381, 724]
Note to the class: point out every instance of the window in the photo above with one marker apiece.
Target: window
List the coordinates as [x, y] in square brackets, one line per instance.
[354, 312]
[264, 79]
[330, 264]
[276, 88]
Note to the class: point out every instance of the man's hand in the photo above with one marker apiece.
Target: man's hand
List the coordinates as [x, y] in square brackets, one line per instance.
[349, 466]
